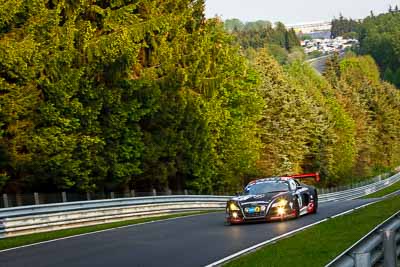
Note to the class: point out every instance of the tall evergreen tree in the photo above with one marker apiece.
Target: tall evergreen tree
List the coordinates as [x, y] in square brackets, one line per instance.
[388, 75]
[332, 70]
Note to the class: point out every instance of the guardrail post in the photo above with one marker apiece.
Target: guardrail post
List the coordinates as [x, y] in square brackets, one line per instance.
[132, 193]
[18, 199]
[362, 259]
[389, 248]
[186, 192]
[88, 196]
[154, 192]
[5, 200]
[64, 196]
[36, 197]
[112, 195]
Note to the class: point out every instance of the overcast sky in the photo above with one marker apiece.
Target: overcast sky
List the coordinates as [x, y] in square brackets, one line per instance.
[295, 11]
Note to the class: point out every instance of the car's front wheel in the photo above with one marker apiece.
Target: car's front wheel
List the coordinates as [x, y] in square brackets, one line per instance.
[296, 207]
[315, 210]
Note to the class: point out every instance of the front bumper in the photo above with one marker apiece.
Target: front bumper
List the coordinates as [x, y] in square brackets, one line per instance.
[270, 216]
[232, 220]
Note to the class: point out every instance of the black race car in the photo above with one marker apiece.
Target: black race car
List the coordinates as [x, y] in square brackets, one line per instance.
[275, 198]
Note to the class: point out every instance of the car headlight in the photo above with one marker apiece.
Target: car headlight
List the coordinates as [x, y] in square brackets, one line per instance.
[281, 211]
[233, 206]
[280, 203]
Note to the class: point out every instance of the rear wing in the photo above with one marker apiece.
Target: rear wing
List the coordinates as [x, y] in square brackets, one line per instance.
[315, 175]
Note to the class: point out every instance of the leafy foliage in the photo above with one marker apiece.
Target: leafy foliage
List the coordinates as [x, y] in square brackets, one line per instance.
[123, 93]
[344, 27]
[111, 95]
[373, 105]
[378, 36]
[262, 34]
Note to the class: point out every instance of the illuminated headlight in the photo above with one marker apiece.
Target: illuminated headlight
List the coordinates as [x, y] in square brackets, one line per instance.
[233, 206]
[280, 203]
[281, 211]
[235, 215]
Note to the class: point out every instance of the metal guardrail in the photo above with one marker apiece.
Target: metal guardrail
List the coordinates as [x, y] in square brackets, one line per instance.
[40, 218]
[9, 200]
[379, 247]
[360, 191]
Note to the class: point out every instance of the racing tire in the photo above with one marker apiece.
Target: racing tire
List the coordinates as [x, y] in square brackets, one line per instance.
[315, 210]
[296, 208]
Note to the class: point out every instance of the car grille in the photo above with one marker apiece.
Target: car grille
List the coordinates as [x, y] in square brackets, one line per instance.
[253, 214]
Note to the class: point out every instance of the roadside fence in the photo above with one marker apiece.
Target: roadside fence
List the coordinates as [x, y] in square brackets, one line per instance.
[380, 247]
[47, 217]
[38, 198]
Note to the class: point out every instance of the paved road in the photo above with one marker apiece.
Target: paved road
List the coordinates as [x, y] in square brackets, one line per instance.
[191, 241]
[319, 64]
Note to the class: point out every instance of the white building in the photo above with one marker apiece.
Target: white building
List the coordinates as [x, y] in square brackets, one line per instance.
[311, 27]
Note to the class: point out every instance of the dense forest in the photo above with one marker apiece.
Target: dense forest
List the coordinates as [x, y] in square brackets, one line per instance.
[344, 27]
[379, 37]
[282, 43]
[111, 95]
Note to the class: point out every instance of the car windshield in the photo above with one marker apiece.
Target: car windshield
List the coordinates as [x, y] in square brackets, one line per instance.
[267, 187]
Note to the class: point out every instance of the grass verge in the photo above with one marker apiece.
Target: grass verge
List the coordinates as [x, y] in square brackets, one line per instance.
[18, 241]
[386, 191]
[320, 244]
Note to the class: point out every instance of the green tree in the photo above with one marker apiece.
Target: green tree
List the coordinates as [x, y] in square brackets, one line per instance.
[261, 34]
[332, 70]
[280, 54]
[379, 37]
[388, 75]
[233, 25]
[396, 78]
[332, 149]
[364, 96]
[108, 95]
[286, 125]
[343, 26]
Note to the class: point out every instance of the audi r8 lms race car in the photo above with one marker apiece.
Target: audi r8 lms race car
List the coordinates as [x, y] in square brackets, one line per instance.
[275, 198]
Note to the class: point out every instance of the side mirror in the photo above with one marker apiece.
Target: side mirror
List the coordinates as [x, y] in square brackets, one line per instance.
[299, 187]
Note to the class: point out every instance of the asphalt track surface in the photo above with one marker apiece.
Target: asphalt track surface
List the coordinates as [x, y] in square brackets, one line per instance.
[319, 64]
[191, 241]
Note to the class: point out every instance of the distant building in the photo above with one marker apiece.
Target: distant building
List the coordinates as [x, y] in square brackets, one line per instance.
[327, 45]
[320, 33]
[312, 27]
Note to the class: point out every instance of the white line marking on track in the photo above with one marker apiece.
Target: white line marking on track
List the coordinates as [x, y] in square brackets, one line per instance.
[105, 230]
[392, 194]
[359, 241]
[244, 251]
[352, 210]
